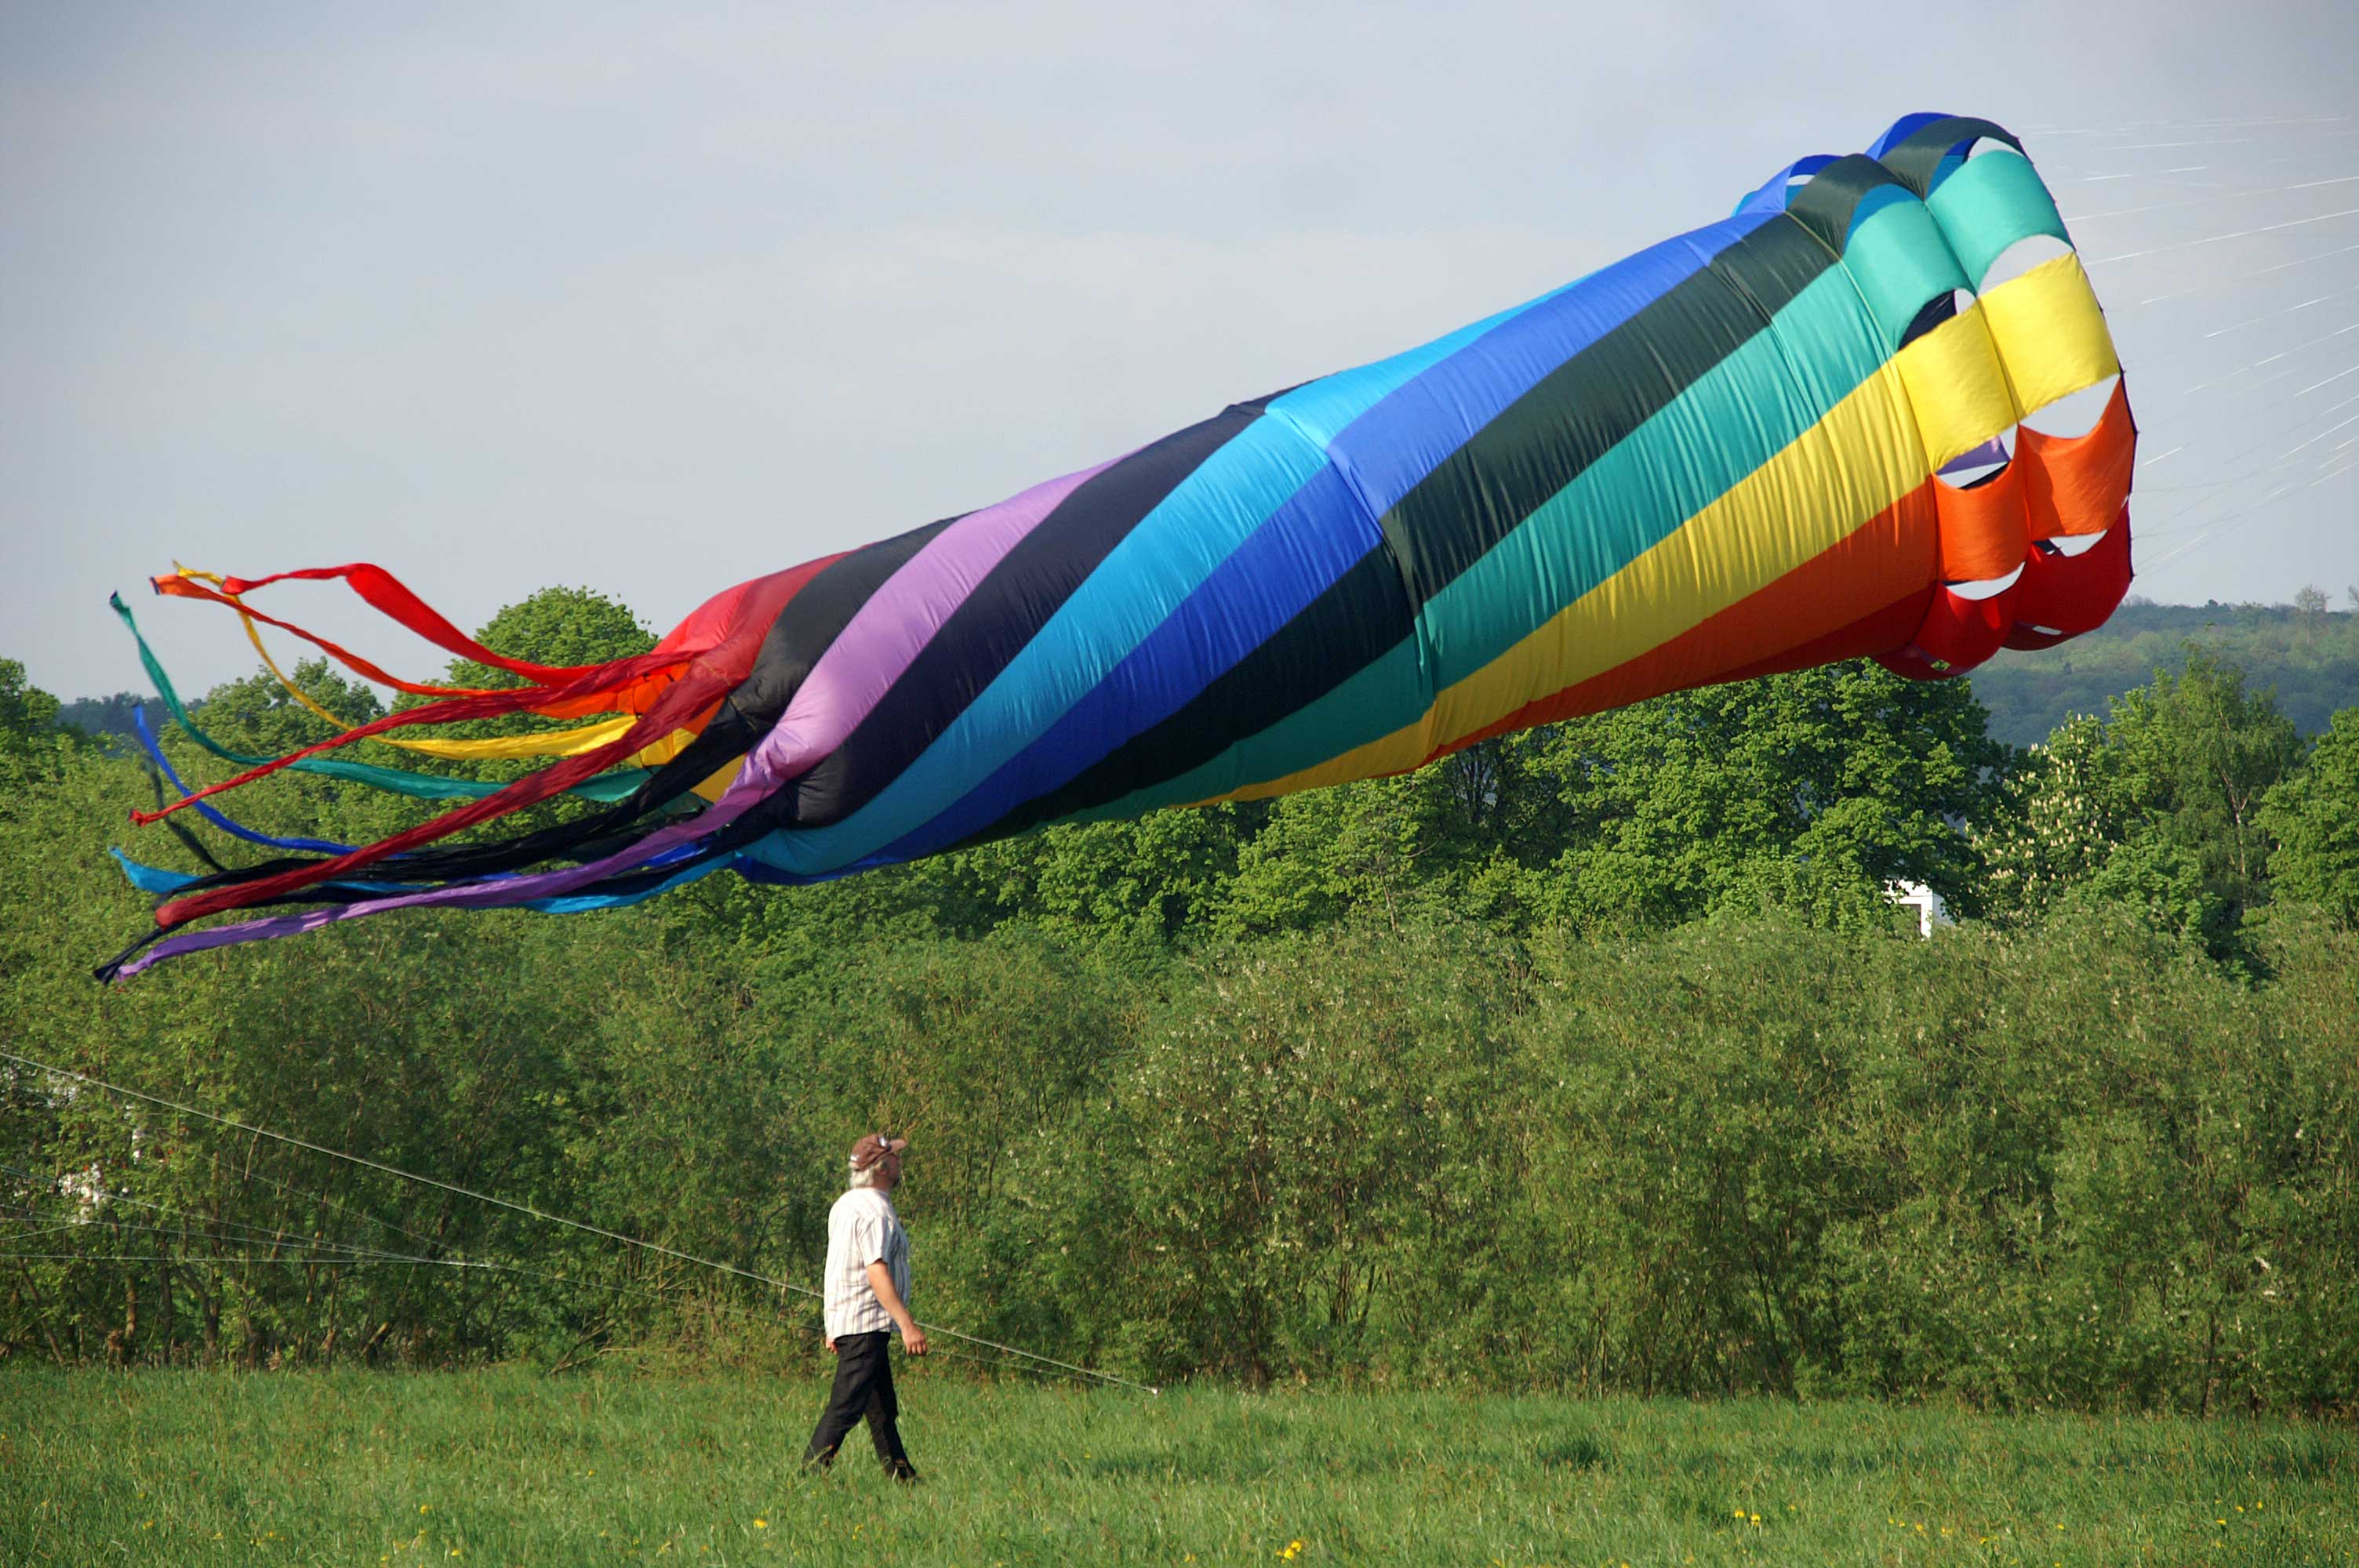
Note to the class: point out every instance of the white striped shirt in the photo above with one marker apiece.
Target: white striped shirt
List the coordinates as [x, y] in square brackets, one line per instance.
[863, 1228]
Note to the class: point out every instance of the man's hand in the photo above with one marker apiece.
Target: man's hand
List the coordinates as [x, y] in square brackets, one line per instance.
[831, 1344]
[880, 1279]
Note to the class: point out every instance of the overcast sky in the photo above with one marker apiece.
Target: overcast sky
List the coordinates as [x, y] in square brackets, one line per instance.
[653, 298]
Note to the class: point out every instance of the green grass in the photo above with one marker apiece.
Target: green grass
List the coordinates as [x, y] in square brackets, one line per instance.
[509, 1467]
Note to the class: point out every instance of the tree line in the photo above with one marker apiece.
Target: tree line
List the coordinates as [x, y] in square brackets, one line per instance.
[1594, 1058]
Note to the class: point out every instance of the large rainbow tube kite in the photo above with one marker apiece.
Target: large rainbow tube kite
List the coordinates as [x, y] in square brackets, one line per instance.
[1791, 436]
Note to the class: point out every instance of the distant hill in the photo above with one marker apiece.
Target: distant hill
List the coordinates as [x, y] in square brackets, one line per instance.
[101, 716]
[2309, 654]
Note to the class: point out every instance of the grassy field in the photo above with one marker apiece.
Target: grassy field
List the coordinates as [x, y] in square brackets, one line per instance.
[509, 1467]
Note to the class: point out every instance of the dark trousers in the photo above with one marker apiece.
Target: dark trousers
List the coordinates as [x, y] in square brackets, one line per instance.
[863, 1387]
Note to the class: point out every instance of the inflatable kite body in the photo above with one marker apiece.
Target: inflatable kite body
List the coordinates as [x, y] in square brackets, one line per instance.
[1791, 436]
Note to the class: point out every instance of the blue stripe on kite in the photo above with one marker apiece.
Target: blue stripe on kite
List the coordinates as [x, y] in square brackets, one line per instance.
[1320, 533]
[1902, 129]
[1392, 449]
[1370, 703]
[1309, 542]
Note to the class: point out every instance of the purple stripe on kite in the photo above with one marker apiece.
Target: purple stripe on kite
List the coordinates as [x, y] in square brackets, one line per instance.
[1307, 544]
[1313, 539]
[864, 661]
[1991, 452]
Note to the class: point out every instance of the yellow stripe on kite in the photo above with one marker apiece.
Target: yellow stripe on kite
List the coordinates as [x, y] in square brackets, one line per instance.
[2050, 332]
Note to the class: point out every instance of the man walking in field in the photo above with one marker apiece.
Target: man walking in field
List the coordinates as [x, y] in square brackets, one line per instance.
[867, 1295]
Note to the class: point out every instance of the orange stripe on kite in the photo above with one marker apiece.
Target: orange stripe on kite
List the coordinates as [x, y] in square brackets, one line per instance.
[2076, 484]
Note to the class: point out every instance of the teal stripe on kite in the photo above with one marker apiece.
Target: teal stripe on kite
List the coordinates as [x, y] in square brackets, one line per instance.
[1900, 260]
[1737, 417]
[1991, 203]
[1374, 700]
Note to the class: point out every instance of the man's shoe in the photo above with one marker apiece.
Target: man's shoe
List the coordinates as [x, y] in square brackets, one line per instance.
[903, 1472]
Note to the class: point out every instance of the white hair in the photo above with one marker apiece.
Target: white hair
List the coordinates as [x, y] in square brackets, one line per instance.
[869, 1177]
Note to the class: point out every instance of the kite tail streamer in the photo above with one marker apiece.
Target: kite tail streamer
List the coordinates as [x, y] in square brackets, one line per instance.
[385, 593]
[394, 781]
[235, 830]
[685, 684]
[489, 705]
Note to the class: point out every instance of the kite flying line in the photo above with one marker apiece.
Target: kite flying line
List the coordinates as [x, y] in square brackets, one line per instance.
[324, 1252]
[546, 1218]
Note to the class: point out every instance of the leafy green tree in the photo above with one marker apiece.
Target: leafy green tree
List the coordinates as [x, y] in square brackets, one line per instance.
[260, 717]
[555, 626]
[2061, 813]
[2313, 816]
[1810, 790]
[2198, 753]
[2156, 809]
[1303, 1162]
[1324, 853]
[1144, 883]
[28, 713]
[32, 745]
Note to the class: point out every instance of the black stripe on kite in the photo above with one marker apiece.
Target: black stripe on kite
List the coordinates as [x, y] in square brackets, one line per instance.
[1917, 158]
[1585, 407]
[998, 621]
[1359, 618]
[1826, 205]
